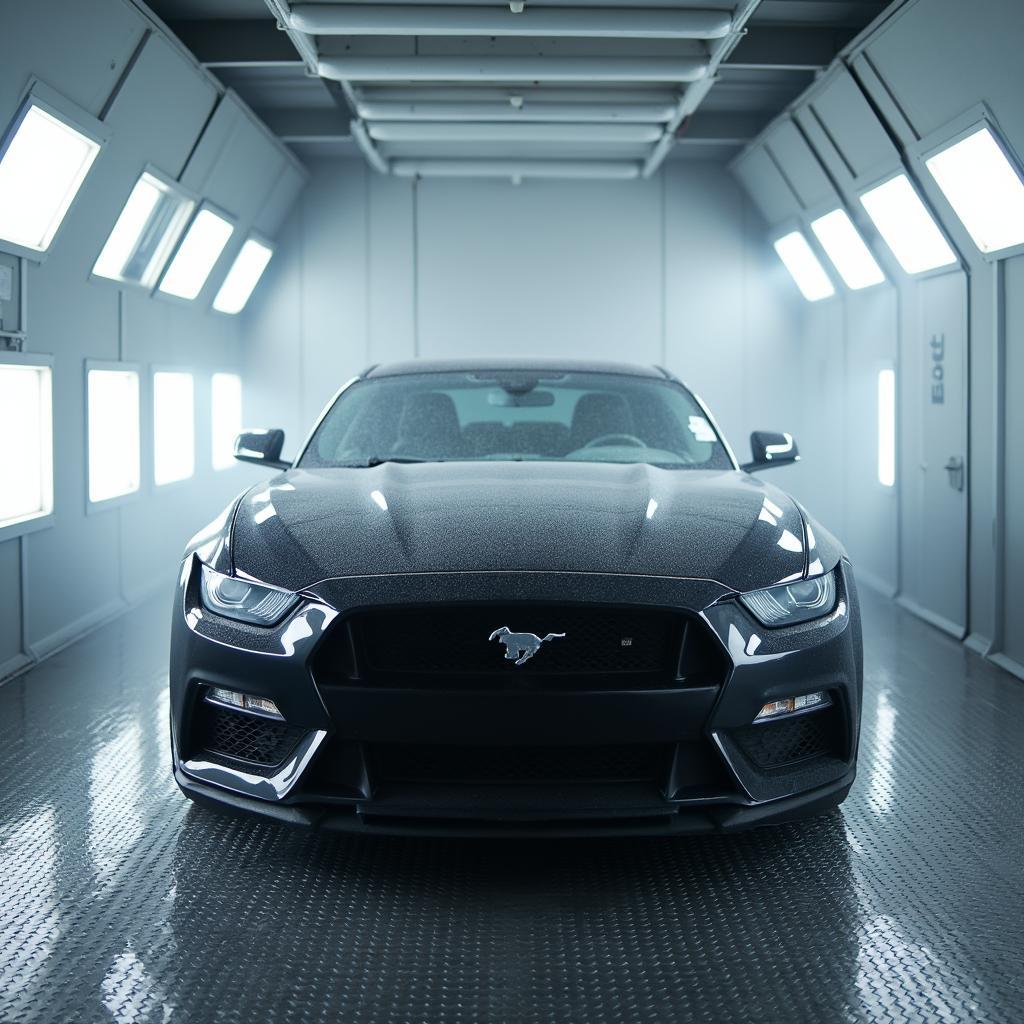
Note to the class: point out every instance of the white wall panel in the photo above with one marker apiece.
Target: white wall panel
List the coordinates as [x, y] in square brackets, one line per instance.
[765, 184]
[1013, 466]
[540, 268]
[799, 165]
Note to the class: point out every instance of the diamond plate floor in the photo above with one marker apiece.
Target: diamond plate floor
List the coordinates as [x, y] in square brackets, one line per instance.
[120, 901]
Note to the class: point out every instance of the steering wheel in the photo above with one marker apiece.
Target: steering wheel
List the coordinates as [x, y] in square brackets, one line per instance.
[606, 440]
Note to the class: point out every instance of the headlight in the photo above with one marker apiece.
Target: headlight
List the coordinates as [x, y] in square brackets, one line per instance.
[793, 602]
[239, 599]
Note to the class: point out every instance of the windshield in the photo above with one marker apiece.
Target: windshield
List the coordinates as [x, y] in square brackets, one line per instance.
[501, 416]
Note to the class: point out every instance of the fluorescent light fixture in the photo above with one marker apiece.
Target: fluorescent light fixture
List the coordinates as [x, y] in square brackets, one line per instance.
[41, 171]
[846, 249]
[243, 276]
[150, 223]
[983, 188]
[906, 226]
[199, 251]
[26, 455]
[887, 427]
[113, 400]
[804, 267]
[226, 417]
[174, 433]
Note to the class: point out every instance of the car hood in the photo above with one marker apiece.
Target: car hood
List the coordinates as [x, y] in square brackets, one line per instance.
[305, 526]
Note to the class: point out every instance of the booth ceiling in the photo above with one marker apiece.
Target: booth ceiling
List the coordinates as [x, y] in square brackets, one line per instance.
[541, 88]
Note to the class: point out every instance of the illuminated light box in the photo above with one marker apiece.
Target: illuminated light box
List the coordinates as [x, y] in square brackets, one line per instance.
[906, 226]
[174, 436]
[803, 267]
[113, 402]
[199, 251]
[847, 250]
[145, 233]
[225, 417]
[984, 189]
[243, 277]
[26, 456]
[42, 167]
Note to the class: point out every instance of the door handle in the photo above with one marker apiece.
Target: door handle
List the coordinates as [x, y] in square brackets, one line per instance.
[955, 468]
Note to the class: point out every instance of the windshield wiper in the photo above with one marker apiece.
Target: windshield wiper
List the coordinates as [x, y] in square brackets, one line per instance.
[379, 460]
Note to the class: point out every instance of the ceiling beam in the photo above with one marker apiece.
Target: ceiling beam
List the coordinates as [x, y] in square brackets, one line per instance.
[788, 48]
[619, 170]
[432, 131]
[224, 43]
[417, 20]
[523, 109]
[512, 69]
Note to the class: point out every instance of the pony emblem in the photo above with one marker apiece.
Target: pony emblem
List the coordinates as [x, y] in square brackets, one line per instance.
[520, 647]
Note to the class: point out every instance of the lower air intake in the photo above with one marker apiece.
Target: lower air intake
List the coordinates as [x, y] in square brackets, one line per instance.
[401, 762]
[244, 737]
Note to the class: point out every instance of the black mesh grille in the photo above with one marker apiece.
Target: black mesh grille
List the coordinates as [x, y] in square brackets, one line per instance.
[233, 734]
[450, 645]
[774, 744]
[426, 763]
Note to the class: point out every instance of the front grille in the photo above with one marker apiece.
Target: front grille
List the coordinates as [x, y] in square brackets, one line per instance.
[791, 740]
[224, 732]
[417, 762]
[448, 646]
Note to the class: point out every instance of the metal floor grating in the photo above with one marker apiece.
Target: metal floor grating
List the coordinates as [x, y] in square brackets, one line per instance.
[121, 902]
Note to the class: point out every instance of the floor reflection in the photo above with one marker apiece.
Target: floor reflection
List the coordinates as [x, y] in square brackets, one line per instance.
[119, 901]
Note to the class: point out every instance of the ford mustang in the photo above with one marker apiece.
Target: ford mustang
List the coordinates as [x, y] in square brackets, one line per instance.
[509, 597]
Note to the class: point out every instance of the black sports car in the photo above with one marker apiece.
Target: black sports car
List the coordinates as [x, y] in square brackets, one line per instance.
[509, 597]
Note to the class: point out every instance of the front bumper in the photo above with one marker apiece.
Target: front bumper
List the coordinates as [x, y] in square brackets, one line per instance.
[711, 778]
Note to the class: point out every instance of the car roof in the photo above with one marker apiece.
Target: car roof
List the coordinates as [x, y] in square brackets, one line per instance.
[485, 365]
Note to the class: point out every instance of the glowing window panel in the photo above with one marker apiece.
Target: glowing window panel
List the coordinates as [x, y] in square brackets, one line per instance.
[113, 399]
[226, 417]
[199, 251]
[906, 226]
[846, 249]
[243, 277]
[174, 434]
[26, 455]
[41, 171]
[147, 229]
[887, 427]
[803, 266]
[983, 188]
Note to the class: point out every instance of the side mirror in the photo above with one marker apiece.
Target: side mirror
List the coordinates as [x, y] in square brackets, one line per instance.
[769, 449]
[262, 448]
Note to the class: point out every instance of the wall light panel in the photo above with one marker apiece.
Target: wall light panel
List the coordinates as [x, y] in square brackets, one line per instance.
[113, 433]
[243, 276]
[803, 266]
[846, 249]
[174, 432]
[226, 417]
[887, 427]
[906, 226]
[26, 454]
[199, 251]
[984, 189]
[145, 233]
[42, 167]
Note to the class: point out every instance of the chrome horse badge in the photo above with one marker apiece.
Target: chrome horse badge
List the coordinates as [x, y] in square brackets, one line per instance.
[520, 647]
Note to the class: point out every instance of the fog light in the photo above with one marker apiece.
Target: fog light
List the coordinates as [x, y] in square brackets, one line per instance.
[791, 705]
[243, 701]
